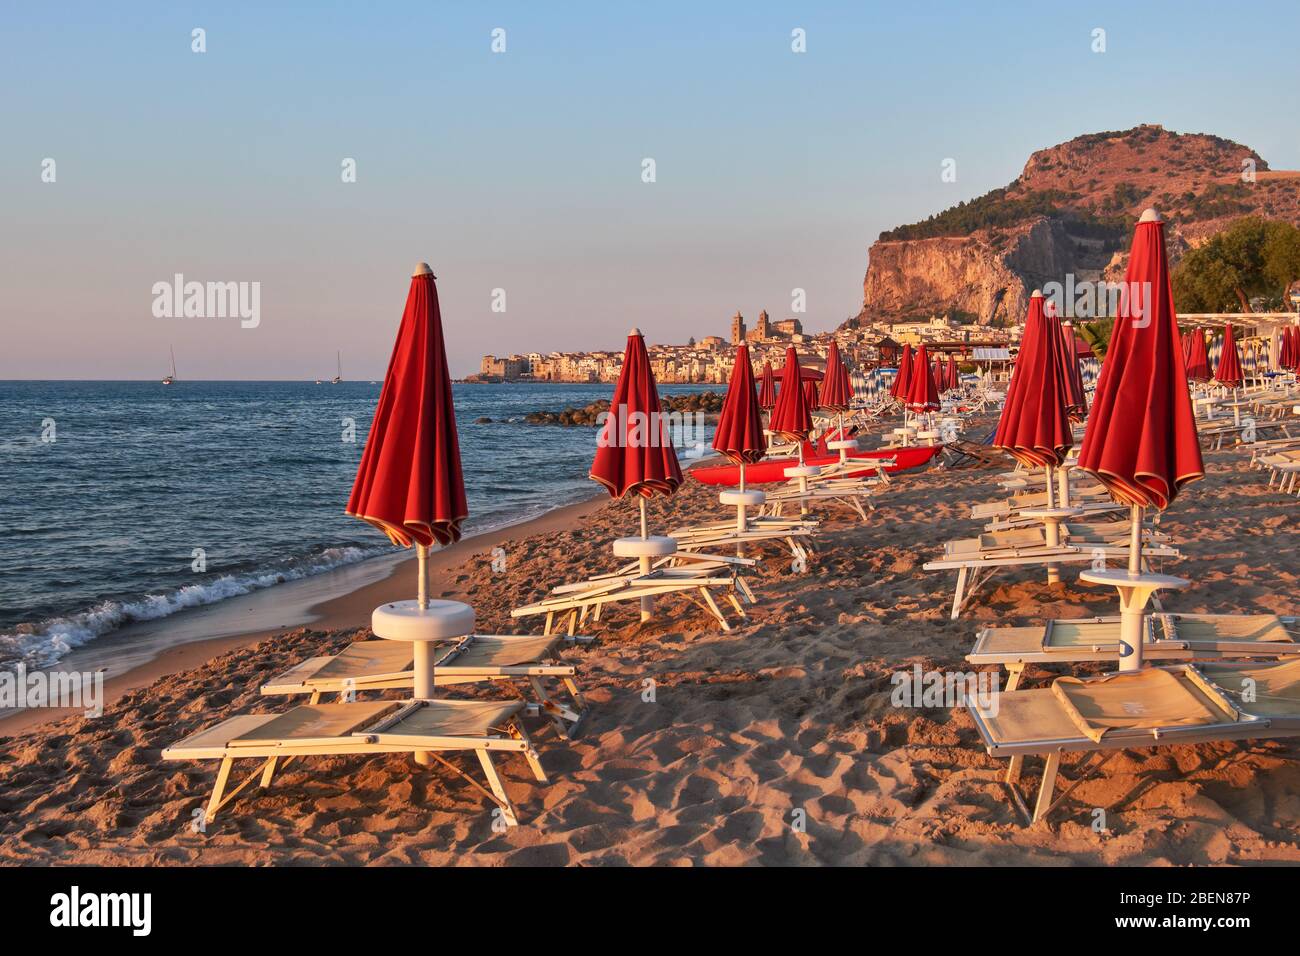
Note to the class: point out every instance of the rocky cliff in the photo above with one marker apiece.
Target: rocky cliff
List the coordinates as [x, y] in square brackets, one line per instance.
[1071, 211]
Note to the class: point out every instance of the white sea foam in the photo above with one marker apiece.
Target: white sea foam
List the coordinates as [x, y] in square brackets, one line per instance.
[43, 644]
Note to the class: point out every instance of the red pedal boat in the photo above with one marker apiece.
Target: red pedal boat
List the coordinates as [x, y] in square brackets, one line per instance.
[771, 470]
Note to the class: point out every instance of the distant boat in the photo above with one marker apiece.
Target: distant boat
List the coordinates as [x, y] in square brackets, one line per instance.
[339, 377]
[172, 377]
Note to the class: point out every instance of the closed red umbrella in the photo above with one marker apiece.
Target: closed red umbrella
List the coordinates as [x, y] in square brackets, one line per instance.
[634, 453]
[409, 483]
[1293, 337]
[904, 377]
[922, 393]
[951, 376]
[1076, 396]
[792, 418]
[1229, 371]
[739, 435]
[836, 392]
[1198, 358]
[1141, 439]
[1035, 423]
[767, 388]
[937, 373]
[810, 393]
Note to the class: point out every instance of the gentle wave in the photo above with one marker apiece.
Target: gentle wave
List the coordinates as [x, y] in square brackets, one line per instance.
[43, 644]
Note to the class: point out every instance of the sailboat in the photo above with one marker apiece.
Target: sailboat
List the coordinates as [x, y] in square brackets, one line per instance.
[172, 377]
[339, 377]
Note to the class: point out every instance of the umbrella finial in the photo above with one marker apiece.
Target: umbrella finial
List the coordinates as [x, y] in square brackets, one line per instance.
[1150, 215]
[634, 331]
[1036, 294]
[422, 269]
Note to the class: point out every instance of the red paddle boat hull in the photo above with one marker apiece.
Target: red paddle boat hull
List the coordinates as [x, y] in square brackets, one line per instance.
[773, 469]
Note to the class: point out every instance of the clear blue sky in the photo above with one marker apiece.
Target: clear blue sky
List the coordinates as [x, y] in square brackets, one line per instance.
[522, 170]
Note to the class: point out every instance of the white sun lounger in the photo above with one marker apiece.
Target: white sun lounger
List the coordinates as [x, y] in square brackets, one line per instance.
[364, 729]
[478, 658]
[570, 604]
[795, 533]
[1169, 637]
[1153, 707]
[974, 566]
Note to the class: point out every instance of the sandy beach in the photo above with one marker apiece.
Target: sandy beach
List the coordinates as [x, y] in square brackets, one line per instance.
[775, 743]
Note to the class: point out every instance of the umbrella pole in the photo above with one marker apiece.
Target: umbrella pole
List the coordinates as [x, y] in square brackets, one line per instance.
[422, 676]
[1051, 527]
[422, 589]
[742, 523]
[647, 604]
[1132, 614]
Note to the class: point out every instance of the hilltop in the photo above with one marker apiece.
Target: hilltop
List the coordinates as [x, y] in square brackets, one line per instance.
[1071, 210]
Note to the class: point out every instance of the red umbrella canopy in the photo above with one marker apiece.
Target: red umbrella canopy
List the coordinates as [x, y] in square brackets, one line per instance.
[767, 389]
[1293, 347]
[1141, 437]
[1229, 371]
[634, 453]
[739, 436]
[810, 393]
[409, 483]
[1076, 397]
[903, 379]
[792, 418]
[1035, 422]
[951, 378]
[836, 392]
[1198, 358]
[922, 393]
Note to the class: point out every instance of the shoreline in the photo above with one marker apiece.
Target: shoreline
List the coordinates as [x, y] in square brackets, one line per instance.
[345, 609]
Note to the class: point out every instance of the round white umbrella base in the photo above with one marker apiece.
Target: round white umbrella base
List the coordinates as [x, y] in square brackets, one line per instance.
[423, 627]
[407, 621]
[803, 471]
[655, 546]
[847, 444]
[746, 498]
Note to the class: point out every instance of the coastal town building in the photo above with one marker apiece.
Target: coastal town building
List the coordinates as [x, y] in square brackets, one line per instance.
[863, 344]
[737, 329]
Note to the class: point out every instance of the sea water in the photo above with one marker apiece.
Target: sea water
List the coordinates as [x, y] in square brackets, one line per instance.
[123, 502]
